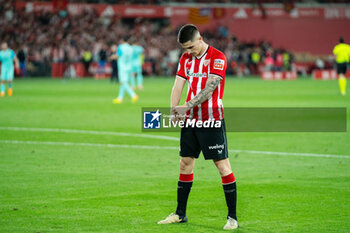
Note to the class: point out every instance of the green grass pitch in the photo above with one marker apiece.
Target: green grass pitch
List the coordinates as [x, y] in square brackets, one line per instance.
[70, 181]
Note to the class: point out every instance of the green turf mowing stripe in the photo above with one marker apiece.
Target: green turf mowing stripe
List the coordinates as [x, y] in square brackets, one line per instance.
[171, 148]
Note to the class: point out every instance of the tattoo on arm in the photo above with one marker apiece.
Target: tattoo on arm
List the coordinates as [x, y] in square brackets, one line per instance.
[211, 84]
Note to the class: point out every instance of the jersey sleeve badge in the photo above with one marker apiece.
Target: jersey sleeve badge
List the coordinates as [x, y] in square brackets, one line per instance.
[219, 64]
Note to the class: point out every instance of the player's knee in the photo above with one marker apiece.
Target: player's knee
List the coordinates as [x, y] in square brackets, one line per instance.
[183, 165]
[224, 167]
[224, 171]
[186, 166]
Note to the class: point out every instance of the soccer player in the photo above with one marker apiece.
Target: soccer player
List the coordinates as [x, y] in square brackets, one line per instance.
[7, 57]
[124, 54]
[137, 65]
[101, 69]
[342, 53]
[203, 67]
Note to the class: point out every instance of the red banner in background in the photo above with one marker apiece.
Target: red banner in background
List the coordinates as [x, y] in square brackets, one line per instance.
[77, 70]
[276, 75]
[327, 74]
[59, 4]
[304, 29]
[126, 11]
[153, 11]
[207, 13]
[218, 13]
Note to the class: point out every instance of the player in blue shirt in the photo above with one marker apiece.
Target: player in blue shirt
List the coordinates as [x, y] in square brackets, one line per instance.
[124, 54]
[137, 65]
[7, 56]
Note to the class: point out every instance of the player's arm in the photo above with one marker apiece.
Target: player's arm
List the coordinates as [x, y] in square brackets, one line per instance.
[211, 84]
[113, 57]
[177, 91]
[176, 96]
[15, 59]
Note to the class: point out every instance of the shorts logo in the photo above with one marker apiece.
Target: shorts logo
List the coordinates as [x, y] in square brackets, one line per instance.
[219, 64]
[151, 120]
[217, 147]
[220, 151]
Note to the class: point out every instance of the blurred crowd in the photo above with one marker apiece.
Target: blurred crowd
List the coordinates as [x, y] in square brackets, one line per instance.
[203, 1]
[42, 38]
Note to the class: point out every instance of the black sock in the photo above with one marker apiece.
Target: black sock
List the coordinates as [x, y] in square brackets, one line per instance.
[231, 199]
[183, 191]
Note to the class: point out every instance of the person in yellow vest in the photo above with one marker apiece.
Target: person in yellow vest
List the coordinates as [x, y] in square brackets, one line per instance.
[255, 60]
[286, 61]
[342, 53]
[87, 59]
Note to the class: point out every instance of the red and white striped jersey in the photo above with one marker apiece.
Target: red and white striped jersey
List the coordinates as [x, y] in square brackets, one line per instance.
[196, 71]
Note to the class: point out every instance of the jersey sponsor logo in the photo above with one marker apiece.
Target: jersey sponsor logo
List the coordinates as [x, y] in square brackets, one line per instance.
[219, 64]
[206, 62]
[196, 75]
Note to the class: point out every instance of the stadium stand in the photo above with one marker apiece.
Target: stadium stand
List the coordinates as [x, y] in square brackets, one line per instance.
[48, 38]
[52, 38]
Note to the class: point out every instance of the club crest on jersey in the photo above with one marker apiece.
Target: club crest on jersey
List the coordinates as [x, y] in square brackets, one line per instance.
[219, 64]
[206, 62]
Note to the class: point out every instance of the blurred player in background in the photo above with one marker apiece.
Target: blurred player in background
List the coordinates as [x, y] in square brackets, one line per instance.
[7, 57]
[204, 68]
[124, 54]
[22, 55]
[342, 53]
[137, 65]
[113, 58]
[101, 69]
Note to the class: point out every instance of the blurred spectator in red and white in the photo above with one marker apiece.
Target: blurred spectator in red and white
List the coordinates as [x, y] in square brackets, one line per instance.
[278, 60]
[269, 61]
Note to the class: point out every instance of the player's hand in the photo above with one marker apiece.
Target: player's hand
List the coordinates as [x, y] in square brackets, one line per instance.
[174, 115]
[17, 70]
[181, 111]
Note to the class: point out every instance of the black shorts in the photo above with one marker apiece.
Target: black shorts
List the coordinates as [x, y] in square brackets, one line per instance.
[342, 67]
[211, 141]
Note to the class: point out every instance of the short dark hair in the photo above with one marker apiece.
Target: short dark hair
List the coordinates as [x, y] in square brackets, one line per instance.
[125, 38]
[187, 33]
[341, 40]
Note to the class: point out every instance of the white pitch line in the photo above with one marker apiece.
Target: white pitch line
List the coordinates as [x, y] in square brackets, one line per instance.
[169, 148]
[90, 144]
[77, 131]
[291, 154]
